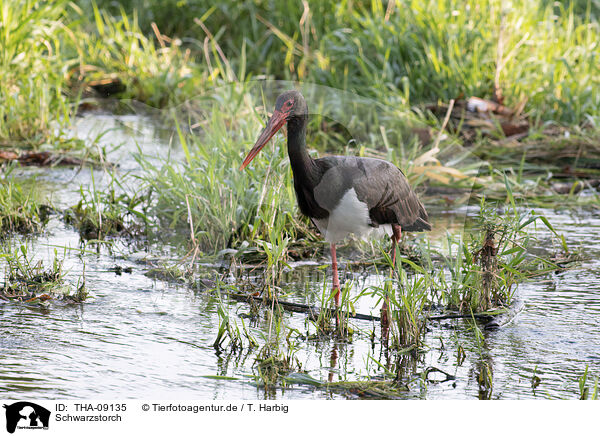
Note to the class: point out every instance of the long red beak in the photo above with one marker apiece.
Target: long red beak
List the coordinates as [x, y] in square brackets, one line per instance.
[275, 123]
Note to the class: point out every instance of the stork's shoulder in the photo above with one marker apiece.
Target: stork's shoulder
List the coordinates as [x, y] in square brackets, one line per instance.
[367, 165]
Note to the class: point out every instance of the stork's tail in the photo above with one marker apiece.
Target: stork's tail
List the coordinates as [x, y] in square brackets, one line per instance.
[421, 223]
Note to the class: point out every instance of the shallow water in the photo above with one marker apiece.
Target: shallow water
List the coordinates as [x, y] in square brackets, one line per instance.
[143, 338]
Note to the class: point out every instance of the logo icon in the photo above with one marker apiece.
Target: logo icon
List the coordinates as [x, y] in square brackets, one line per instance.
[26, 415]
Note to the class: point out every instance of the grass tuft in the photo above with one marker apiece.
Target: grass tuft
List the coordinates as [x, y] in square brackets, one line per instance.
[114, 211]
[28, 281]
[20, 209]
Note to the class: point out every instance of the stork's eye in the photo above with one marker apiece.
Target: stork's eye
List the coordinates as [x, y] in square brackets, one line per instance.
[287, 105]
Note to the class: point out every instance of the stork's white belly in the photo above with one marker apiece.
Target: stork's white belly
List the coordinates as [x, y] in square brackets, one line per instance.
[350, 216]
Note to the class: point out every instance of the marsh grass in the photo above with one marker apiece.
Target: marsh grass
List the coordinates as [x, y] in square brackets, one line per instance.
[225, 206]
[276, 358]
[20, 208]
[332, 321]
[407, 295]
[32, 71]
[153, 69]
[113, 211]
[477, 286]
[26, 280]
[230, 337]
[484, 273]
[408, 298]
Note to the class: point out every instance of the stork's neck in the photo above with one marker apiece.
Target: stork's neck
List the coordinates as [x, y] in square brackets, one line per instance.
[303, 166]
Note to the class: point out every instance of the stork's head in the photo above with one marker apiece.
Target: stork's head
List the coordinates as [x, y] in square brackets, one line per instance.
[289, 106]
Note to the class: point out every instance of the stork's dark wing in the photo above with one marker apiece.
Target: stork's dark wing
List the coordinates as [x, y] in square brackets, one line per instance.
[377, 183]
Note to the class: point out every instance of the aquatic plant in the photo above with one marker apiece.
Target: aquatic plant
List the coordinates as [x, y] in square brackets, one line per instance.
[276, 358]
[26, 280]
[20, 208]
[408, 299]
[114, 210]
[329, 320]
[484, 272]
[407, 296]
[230, 336]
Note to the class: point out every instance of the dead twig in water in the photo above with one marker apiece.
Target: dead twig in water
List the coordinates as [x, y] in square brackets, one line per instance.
[314, 311]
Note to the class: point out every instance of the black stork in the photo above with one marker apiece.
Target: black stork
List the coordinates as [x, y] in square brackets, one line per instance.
[343, 194]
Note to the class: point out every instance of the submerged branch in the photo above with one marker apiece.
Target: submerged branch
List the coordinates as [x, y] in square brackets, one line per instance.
[314, 311]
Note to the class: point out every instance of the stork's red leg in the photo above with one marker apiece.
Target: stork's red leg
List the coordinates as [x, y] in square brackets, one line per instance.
[336, 280]
[396, 235]
[385, 312]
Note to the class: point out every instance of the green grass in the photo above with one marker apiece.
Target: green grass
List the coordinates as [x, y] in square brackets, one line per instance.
[420, 52]
[210, 198]
[113, 211]
[404, 57]
[20, 208]
[32, 71]
[157, 73]
[26, 280]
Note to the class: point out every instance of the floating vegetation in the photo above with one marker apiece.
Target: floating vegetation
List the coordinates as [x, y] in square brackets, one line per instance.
[386, 388]
[369, 389]
[273, 364]
[29, 281]
[169, 273]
